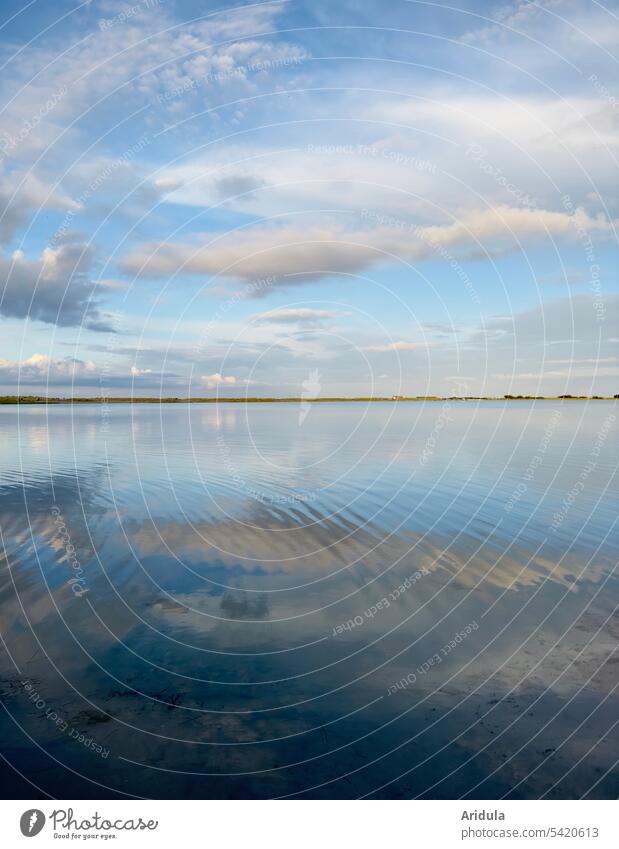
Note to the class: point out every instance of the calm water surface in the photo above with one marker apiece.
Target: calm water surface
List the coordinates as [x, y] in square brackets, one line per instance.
[393, 600]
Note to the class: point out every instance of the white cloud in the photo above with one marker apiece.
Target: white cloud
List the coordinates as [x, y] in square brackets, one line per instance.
[39, 369]
[46, 87]
[292, 254]
[215, 380]
[530, 145]
[22, 193]
[548, 374]
[396, 346]
[167, 184]
[300, 315]
[567, 28]
[518, 17]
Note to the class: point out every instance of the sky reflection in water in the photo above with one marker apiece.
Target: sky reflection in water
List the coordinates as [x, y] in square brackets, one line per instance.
[229, 602]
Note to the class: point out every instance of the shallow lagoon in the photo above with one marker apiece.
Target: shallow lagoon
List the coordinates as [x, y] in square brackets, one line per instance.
[389, 600]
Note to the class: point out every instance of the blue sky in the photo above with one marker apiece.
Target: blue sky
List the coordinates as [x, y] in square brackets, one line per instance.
[387, 198]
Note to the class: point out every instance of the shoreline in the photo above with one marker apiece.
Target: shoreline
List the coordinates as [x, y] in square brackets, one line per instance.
[17, 400]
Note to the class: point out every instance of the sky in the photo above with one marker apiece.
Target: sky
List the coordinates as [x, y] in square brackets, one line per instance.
[336, 197]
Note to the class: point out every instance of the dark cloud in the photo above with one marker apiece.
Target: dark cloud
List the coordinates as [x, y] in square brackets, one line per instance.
[237, 184]
[54, 289]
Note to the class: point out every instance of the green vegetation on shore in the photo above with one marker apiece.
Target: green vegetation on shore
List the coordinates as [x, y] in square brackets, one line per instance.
[42, 399]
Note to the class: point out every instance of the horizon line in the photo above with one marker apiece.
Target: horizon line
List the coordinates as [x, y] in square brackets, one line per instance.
[173, 399]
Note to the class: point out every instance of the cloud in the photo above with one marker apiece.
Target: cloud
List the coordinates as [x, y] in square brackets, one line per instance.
[548, 374]
[254, 253]
[566, 278]
[299, 315]
[513, 19]
[54, 289]
[571, 341]
[20, 194]
[509, 150]
[440, 328]
[396, 346]
[294, 255]
[166, 184]
[583, 318]
[514, 223]
[73, 373]
[214, 380]
[138, 58]
[565, 27]
[586, 360]
[39, 369]
[237, 184]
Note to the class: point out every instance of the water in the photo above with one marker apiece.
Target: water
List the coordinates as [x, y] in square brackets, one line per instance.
[385, 600]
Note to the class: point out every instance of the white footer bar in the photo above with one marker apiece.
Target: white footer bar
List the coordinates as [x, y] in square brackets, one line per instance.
[303, 824]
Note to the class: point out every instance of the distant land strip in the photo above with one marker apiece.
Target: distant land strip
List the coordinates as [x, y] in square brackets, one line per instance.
[42, 399]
